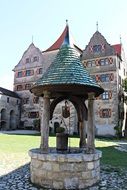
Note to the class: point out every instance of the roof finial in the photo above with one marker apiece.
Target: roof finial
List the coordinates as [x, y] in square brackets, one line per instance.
[66, 22]
[97, 25]
[120, 39]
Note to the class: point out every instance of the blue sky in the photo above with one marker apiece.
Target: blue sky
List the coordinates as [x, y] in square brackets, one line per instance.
[45, 21]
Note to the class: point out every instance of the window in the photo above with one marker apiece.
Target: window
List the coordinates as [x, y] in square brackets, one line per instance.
[33, 114]
[19, 74]
[19, 87]
[104, 78]
[105, 113]
[27, 60]
[35, 59]
[120, 81]
[35, 100]
[7, 99]
[119, 64]
[28, 72]
[97, 48]
[93, 77]
[104, 62]
[25, 100]
[105, 95]
[124, 72]
[17, 102]
[40, 71]
[27, 86]
[91, 64]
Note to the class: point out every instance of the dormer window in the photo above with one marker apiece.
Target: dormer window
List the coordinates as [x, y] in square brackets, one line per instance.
[40, 70]
[97, 48]
[35, 59]
[27, 60]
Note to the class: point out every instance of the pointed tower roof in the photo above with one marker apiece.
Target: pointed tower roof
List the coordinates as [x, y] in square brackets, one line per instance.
[66, 75]
[60, 40]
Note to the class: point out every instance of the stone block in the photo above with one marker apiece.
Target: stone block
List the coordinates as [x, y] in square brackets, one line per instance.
[42, 157]
[90, 165]
[71, 183]
[86, 175]
[47, 184]
[55, 167]
[51, 157]
[74, 158]
[80, 167]
[97, 164]
[47, 166]
[37, 164]
[61, 158]
[67, 167]
[57, 184]
[88, 157]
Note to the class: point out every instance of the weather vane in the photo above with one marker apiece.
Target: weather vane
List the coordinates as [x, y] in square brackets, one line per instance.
[97, 25]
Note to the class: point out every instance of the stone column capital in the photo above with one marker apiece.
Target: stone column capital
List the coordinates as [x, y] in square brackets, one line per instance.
[46, 94]
[91, 96]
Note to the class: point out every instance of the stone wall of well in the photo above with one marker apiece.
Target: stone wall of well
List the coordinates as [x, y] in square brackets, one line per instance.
[65, 171]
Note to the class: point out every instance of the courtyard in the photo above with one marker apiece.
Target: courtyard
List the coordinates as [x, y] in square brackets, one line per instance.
[14, 161]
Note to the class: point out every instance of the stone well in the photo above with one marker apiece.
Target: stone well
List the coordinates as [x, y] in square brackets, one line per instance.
[64, 171]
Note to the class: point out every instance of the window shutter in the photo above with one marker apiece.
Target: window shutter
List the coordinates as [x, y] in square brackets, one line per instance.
[110, 60]
[111, 76]
[97, 62]
[97, 78]
[110, 94]
[23, 73]
[100, 113]
[37, 71]
[85, 63]
[109, 112]
[31, 72]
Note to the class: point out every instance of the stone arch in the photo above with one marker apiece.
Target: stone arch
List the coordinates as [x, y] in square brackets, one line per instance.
[77, 102]
[79, 105]
[12, 119]
[3, 119]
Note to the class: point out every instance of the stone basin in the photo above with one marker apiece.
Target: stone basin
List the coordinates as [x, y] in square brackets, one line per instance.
[69, 170]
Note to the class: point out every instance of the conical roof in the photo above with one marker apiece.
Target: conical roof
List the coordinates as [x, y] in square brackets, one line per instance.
[66, 75]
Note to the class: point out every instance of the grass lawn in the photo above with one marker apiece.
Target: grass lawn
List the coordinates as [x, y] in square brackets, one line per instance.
[14, 148]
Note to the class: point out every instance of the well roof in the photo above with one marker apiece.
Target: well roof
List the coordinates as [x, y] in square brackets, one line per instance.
[66, 74]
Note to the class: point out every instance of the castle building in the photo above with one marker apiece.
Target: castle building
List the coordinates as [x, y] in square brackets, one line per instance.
[9, 109]
[105, 63]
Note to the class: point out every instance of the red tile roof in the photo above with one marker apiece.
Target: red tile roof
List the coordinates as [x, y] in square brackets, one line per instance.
[117, 48]
[60, 40]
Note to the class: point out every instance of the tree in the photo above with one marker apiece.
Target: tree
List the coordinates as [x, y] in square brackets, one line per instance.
[125, 84]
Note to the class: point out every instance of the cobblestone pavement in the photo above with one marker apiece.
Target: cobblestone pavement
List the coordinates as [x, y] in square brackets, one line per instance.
[19, 179]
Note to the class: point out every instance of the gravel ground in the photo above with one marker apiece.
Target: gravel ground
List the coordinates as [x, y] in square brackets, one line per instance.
[19, 179]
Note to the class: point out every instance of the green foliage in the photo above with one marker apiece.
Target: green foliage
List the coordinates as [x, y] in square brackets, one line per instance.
[125, 84]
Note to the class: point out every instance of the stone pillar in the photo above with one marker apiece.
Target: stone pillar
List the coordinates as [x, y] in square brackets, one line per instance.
[82, 126]
[91, 127]
[45, 122]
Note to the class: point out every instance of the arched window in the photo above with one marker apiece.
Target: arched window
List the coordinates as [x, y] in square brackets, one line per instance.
[19, 87]
[27, 86]
[40, 71]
